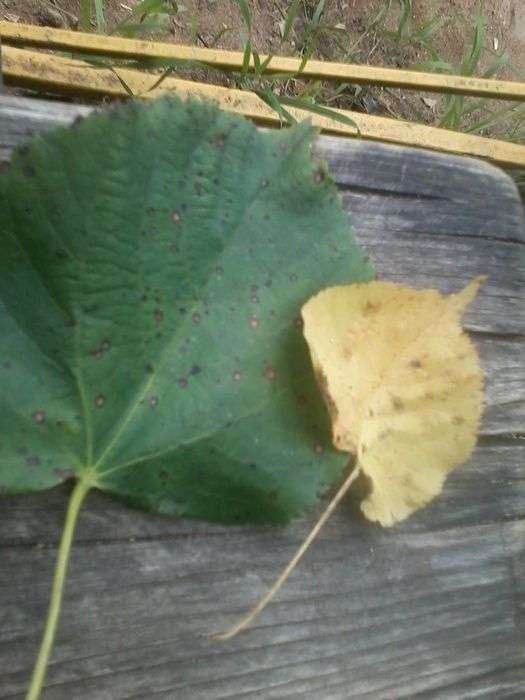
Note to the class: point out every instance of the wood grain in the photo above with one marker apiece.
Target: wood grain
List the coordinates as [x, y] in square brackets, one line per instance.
[433, 608]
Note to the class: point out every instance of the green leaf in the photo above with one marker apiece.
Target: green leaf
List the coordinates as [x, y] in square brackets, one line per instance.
[153, 261]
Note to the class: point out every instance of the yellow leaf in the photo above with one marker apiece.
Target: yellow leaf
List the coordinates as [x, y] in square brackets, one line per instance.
[402, 383]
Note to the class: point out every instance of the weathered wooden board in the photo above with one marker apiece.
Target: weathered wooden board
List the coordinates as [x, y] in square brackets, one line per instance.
[434, 608]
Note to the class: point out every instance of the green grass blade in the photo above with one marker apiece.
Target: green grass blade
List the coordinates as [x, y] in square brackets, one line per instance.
[147, 7]
[436, 66]
[174, 63]
[496, 118]
[266, 62]
[99, 14]
[256, 62]
[500, 61]
[245, 13]
[274, 102]
[279, 77]
[293, 10]
[216, 37]
[310, 48]
[470, 62]
[246, 58]
[85, 15]
[318, 109]
[380, 15]
[404, 19]
[319, 10]
[122, 82]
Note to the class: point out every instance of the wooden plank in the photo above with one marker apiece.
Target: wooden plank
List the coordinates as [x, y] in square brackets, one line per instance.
[29, 35]
[70, 76]
[433, 607]
[377, 613]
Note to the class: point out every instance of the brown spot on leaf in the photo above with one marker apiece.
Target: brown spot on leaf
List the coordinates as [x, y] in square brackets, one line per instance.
[407, 481]
[153, 401]
[269, 373]
[264, 182]
[397, 403]
[176, 216]
[99, 400]
[458, 420]
[318, 449]
[319, 176]
[158, 315]
[236, 376]
[28, 170]
[39, 417]
[196, 318]
[254, 323]
[183, 383]
[371, 308]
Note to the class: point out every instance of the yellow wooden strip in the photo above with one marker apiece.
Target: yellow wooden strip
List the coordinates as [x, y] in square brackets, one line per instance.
[322, 70]
[60, 74]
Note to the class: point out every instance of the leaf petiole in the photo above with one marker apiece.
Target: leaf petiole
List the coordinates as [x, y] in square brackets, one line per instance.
[257, 609]
[75, 502]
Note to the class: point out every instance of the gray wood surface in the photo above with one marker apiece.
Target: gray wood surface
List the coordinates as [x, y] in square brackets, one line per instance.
[433, 608]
